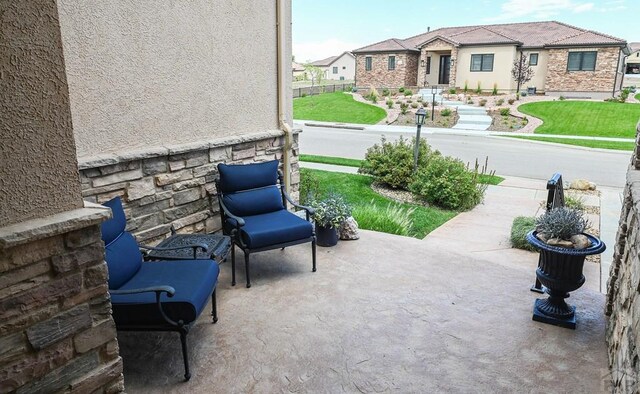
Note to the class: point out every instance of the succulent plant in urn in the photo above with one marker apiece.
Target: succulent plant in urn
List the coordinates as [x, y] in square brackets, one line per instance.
[563, 245]
[329, 214]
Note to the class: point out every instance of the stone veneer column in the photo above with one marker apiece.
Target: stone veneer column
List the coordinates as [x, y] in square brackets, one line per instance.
[174, 186]
[623, 296]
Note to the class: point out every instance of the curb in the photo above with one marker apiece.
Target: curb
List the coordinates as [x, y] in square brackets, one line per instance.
[335, 126]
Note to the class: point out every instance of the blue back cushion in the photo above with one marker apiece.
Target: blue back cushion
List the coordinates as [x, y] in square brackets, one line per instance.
[254, 202]
[121, 249]
[234, 178]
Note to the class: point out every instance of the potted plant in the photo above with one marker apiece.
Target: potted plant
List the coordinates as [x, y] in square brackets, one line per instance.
[563, 245]
[329, 215]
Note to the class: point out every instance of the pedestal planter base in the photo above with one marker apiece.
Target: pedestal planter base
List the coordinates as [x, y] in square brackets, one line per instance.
[566, 319]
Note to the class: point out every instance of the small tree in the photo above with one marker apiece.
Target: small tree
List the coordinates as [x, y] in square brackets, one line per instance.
[522, 72]
[315, 73]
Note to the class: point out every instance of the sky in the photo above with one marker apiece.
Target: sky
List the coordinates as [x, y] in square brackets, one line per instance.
[329, 27]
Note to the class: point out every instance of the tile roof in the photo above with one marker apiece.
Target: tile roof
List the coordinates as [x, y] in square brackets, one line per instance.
[635, 46]
[528, 34]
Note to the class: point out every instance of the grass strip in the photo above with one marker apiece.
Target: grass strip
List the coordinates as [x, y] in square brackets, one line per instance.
[614, 145]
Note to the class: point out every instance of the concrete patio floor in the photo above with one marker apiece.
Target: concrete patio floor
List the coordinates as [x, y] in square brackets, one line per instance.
[384, 313]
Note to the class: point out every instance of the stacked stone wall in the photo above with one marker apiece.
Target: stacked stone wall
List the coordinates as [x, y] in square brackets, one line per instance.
[174, 187]
[56, 331]
[405, 73]
[623, 290]
[559, 79]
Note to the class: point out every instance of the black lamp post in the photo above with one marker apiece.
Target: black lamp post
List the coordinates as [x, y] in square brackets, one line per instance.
[421, 114]
[434, 90]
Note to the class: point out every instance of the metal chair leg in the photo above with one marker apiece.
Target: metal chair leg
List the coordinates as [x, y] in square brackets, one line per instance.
[185, 354]
[214, 307]
[233, 264]
[313, 254]
[246, 268]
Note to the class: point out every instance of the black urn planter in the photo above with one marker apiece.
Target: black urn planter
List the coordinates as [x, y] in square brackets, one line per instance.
[326, 236]
[560, 271]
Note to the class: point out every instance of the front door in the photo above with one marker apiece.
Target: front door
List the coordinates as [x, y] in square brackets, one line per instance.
[445, 63]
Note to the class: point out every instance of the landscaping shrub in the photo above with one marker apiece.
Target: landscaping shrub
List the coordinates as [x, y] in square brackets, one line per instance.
[354, 90]
[452, 91]
[478, 89]
[574, 201]
[389, 103]
[517, 96]
[403, 108]
[448, 183]
[401, 89]
[398, 102]
[309, 189]
[482, 102]
[511, 101]
[408, 92]
[494, 92]
[331, 211]
[519, 229]
[414, 105]
[505, 111]
[303, 95]
[445, 112]
[409, 101]
[392, 162]
[499, 102]
[419, 99]
[562, 98]
[466, 86]
[394, 219]
[523, 93]
[385, 92]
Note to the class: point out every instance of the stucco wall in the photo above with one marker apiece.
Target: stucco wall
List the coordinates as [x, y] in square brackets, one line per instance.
[539, 71]
[38, 171]
[349, 70]
[503, 57]
[169, 72]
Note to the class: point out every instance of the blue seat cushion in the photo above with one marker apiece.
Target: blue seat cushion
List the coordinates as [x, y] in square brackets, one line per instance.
[115, 226]
[123, 259]
[247, 176]
[254, 201]
[193, 281]
[271, 228]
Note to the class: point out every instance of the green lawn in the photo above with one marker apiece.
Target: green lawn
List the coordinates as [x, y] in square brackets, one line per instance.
[341, 161]
[336, 107]
[587, 143]
[357, 191]
[585, 118]
[637, 96]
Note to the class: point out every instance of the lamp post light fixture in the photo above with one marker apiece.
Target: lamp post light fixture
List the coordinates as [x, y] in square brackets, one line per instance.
[421, 114]
[434, 90]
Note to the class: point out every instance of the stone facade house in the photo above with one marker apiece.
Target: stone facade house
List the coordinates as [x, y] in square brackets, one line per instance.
[566, 60]
[120, 98]
[341, 67]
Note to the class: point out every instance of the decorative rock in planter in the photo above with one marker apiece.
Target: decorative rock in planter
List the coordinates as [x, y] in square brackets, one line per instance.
[349, 229]
[581, 184]
[560, 271]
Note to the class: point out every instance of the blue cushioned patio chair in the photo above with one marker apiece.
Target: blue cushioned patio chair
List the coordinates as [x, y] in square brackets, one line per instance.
[155, 295]
[253, 209]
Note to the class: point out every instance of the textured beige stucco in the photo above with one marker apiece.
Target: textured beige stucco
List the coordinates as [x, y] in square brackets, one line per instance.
[503, 58]
[539, 71]
[38, 168]
[147, 73]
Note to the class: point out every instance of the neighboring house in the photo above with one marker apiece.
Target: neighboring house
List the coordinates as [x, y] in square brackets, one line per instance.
[341, 67]
[299, 72]
[566, 60]
[632, 61]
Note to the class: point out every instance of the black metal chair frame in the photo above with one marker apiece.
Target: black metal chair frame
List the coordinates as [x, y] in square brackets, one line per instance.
[555, 199]
[170, 325]
[237, 239]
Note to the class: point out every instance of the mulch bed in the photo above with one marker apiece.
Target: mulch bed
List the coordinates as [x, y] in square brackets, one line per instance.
[409, 119]
[505, 123]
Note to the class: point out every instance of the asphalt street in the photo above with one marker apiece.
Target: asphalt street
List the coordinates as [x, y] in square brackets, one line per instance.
[507, 156]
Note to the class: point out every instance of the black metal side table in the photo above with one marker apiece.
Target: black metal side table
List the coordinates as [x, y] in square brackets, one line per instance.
[218, 247]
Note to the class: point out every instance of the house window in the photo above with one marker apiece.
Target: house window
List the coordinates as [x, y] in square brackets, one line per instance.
[482, 62]
[341, 78]
[392, 62]
[533, 59]
[582, 61]
[335, 70]
[367, 63]
[428, 64]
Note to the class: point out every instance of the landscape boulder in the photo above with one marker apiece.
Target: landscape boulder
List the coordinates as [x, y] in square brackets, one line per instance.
[349, 229]
[582, 184]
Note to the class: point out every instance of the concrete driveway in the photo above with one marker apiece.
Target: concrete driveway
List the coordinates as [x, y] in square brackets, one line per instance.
[451, 313]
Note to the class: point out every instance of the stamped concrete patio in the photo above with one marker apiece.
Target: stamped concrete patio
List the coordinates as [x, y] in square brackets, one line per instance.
[385, 313]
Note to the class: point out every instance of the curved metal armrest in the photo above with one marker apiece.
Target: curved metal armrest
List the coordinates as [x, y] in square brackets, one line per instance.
[203, 247]
[158, 290]
[239, 220]
[310, 211]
